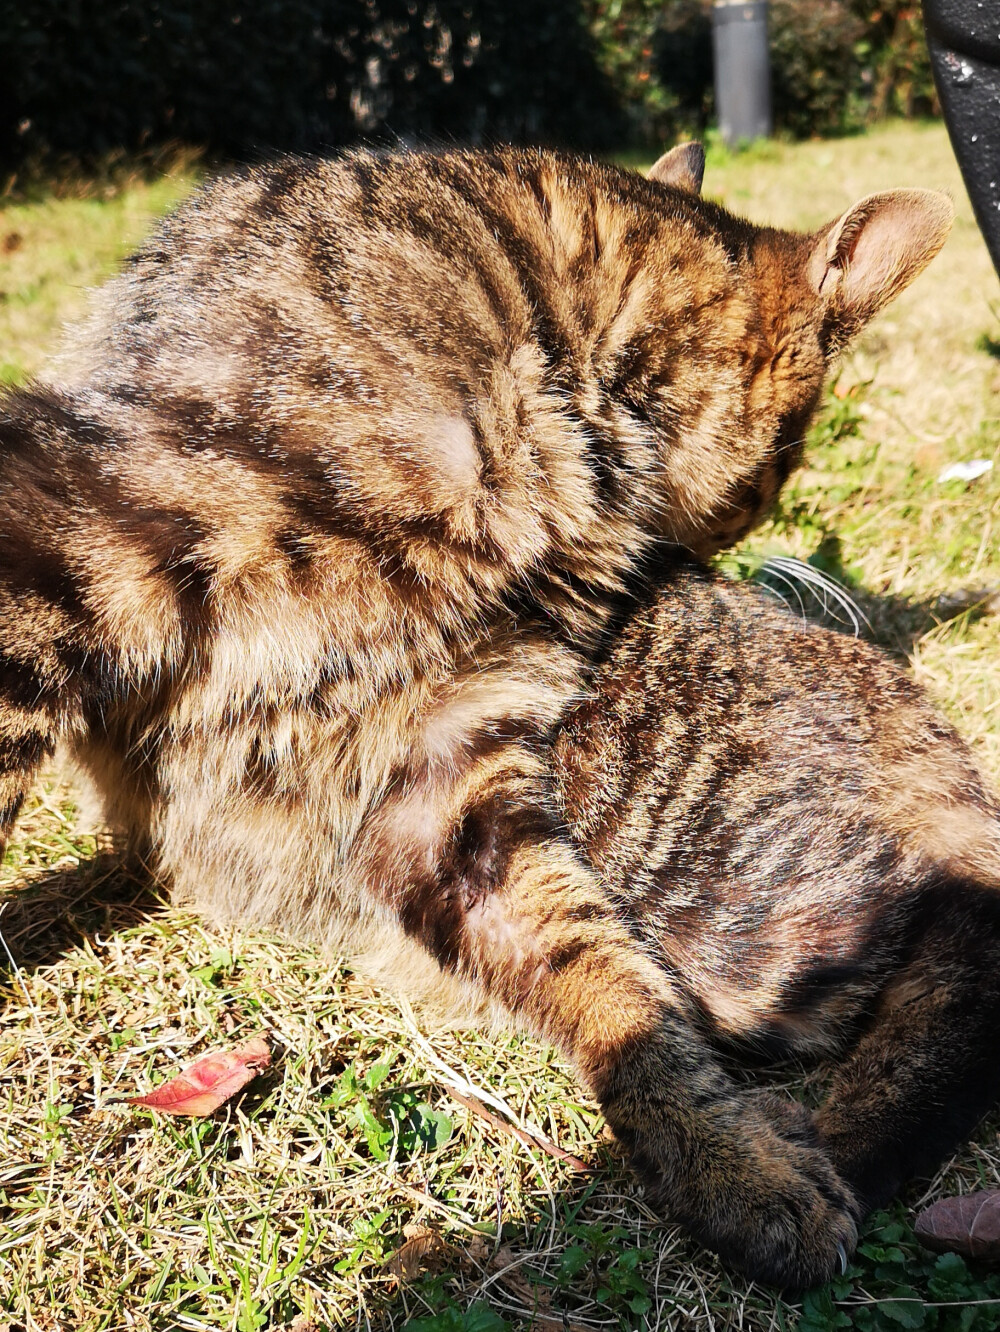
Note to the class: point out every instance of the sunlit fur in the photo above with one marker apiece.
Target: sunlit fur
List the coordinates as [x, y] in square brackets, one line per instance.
[810, 852]
[321, 538]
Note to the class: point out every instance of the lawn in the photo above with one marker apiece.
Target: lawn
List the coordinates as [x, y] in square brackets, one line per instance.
[285, 1209]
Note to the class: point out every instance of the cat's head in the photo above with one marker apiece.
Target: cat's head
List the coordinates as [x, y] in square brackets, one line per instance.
[801, 300]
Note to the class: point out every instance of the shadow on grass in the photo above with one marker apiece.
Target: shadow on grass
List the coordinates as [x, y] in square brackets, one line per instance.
[894, 623]
[44, 917]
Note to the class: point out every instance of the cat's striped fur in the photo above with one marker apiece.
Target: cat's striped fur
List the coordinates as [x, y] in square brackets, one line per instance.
[317, 547]
[810, 852]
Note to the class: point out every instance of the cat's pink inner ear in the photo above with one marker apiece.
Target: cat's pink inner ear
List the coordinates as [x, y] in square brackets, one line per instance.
[877, 248]
[682, 167]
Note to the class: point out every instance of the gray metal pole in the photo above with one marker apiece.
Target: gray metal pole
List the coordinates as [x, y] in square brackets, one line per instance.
[742, 69]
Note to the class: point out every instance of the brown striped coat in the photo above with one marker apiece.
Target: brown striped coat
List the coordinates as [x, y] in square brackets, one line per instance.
[315, 548]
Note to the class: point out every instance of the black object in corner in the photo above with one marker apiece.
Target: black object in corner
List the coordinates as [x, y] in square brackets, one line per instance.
[964, 41]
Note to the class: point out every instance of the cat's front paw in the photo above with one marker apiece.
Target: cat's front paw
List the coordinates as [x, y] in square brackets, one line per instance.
[799, 1227]
[773, 1209]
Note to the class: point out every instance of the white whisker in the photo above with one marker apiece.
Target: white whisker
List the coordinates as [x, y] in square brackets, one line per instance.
[789, 582]
[773, 591]
[824, 589]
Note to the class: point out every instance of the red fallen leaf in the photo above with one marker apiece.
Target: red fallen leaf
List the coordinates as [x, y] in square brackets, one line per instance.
[210, 1081]
[969, 1225]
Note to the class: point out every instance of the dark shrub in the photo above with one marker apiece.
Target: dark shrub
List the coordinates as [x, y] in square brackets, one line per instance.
[658, 58]
[816, 65]
[836, 64]
[896, 55]
[83, 77]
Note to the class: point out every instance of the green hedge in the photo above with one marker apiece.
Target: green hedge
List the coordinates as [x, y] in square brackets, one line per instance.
[82, 78]
[836, 64]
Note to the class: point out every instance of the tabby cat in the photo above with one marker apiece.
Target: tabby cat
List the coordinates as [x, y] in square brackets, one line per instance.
[322, 537]
[810, 853]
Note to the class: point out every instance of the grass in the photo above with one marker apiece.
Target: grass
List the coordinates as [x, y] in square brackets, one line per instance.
[283, 1210]
[52, 251]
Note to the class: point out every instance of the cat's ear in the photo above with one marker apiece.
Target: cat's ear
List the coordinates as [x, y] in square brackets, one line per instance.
[865, 258]
[683, 167]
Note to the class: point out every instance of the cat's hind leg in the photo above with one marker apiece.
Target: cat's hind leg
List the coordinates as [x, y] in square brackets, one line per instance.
[40, 643]
[928, 1066]
[507, 902]
[88, 604]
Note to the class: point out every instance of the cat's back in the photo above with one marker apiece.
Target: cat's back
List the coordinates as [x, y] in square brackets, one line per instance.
[770, 799]
[731, 751]
[433, 264]
[711, 692]
[297, 281]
